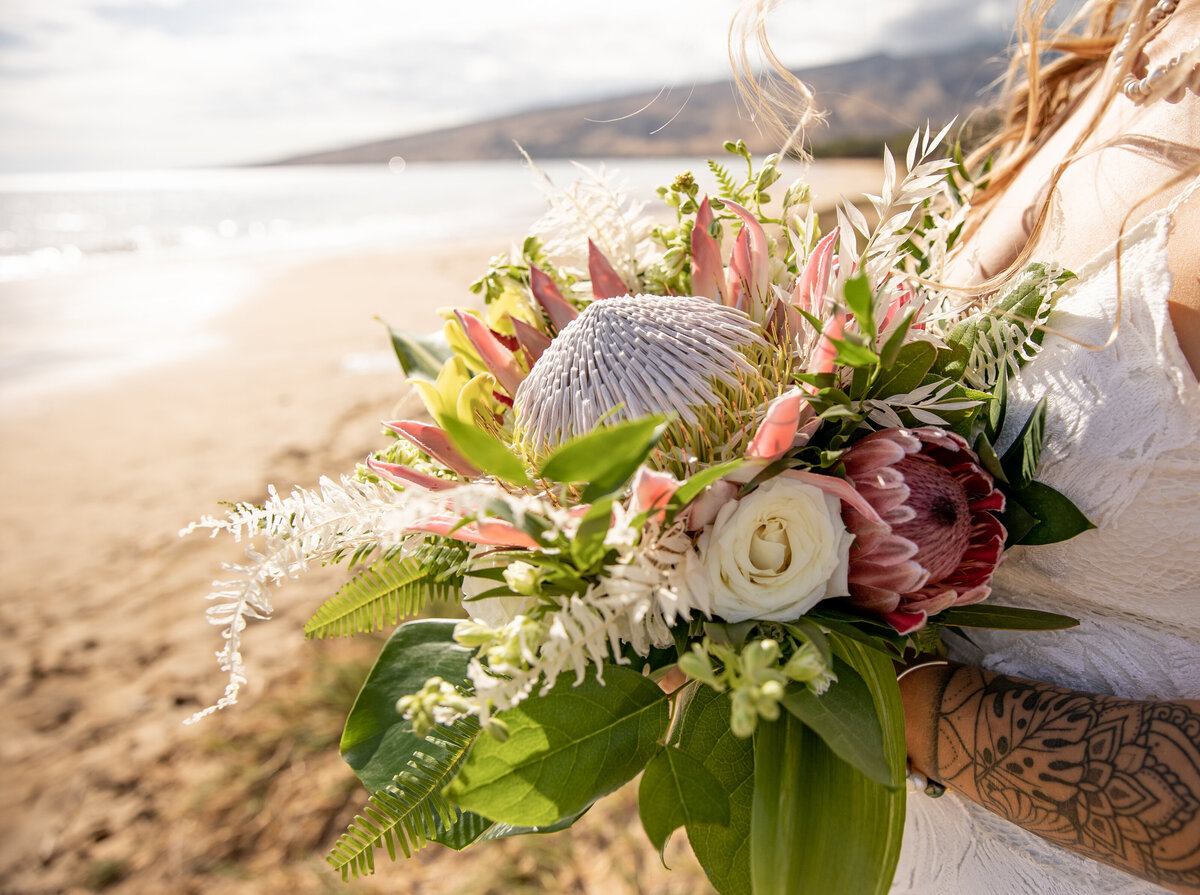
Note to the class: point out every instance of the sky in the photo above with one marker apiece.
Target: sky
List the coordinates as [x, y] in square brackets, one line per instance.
[136, 84]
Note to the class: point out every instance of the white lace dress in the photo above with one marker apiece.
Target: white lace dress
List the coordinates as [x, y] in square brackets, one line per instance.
[1124, 444]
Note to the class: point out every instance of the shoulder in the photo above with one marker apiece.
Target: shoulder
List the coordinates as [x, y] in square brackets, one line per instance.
[1183, 258]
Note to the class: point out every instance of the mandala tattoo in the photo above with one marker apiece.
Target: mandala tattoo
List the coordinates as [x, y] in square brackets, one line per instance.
[1112, 779]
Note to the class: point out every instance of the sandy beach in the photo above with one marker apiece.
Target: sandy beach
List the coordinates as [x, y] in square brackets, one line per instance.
[106, 650]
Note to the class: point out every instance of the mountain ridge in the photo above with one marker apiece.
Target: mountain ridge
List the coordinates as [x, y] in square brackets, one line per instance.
[868, 101]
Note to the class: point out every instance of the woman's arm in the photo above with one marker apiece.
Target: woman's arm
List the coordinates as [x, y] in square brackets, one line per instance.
[1112, 779]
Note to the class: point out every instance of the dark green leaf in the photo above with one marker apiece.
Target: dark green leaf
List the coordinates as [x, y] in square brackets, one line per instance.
[564, 749]
[677, 789]
[844, 717]
[818, 824]
[1020, 461]
[907, 372]
[989, 459]
[421, 357]
[484, 451]
[1017, 521]
[703, 733]
[377, 742]
[1003, 617]
[1058, 519]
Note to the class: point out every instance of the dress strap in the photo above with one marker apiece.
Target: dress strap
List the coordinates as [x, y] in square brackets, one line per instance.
[1186, 193]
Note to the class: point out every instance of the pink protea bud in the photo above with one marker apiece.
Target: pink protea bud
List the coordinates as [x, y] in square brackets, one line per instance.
[707, 268]
[436, 443]
[939, 542]
[606, 282]
[404, 476]
[778, 429]
[546, 291]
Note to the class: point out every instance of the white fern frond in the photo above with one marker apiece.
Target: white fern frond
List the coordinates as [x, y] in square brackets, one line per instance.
[1007, 342]
[635, 601]
[926, 403]
[314, 527]
[600, 208]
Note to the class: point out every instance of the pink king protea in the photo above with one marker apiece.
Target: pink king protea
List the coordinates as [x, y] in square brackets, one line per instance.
[932, 541]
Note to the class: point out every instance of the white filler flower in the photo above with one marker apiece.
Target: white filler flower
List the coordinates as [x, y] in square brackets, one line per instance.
[776, 553]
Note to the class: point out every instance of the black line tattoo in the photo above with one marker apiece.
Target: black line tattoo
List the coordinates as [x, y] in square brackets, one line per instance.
[1111, 779]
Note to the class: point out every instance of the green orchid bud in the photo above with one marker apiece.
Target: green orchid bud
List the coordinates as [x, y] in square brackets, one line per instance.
[471, 633]
[743, 716]
[805, 664]
[698, 666]
[523, 578]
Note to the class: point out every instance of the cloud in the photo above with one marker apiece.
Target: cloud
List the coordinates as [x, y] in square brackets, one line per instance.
[142, 83]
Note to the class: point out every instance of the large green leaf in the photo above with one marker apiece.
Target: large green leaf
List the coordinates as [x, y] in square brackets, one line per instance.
[844, 717]
[817, 823]
[677, 789]
[564, 749]
[1054, 516]
[1003, 617]
[377, 742]
[703, 733]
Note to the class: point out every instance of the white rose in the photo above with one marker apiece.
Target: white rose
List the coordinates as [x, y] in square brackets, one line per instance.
[776, 553]
[495, 612]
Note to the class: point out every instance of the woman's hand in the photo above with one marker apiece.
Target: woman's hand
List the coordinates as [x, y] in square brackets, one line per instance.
[1116, 780]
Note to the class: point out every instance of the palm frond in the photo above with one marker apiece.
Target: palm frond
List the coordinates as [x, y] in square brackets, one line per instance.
[410, 811]
[388, 591]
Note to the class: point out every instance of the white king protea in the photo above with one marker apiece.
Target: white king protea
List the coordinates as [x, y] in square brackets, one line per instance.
[631, 356]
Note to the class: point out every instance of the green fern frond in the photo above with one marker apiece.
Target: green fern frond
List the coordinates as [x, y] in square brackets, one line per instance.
[729, 187]
[411, 810]
[382, 595]
[444, 558]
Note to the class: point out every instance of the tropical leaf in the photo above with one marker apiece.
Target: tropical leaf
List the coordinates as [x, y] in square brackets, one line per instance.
[703, 733]
[382, 595]
[564, 749]
[411, 810]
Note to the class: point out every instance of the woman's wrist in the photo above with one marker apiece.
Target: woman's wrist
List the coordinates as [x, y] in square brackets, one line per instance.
[921, 687]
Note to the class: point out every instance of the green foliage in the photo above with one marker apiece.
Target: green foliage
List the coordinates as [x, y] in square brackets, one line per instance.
[410, 810]
[421, 357]
[703, 732]
[1020, 461]
[564, 749]
[844, 717]
[912, 361]
[485, 451]
[605, 458]
[677, 789]
[377, 740]
[1003, 618]
[1038, 514]
[379, 597]
[1006, 334]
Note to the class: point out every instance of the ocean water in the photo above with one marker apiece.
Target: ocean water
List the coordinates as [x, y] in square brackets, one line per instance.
[59, 223]
[103, 273]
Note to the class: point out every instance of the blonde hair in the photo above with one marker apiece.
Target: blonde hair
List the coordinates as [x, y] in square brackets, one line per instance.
[1049, 70]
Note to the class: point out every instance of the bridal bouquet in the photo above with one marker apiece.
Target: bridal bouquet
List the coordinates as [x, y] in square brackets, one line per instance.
[697, 487]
